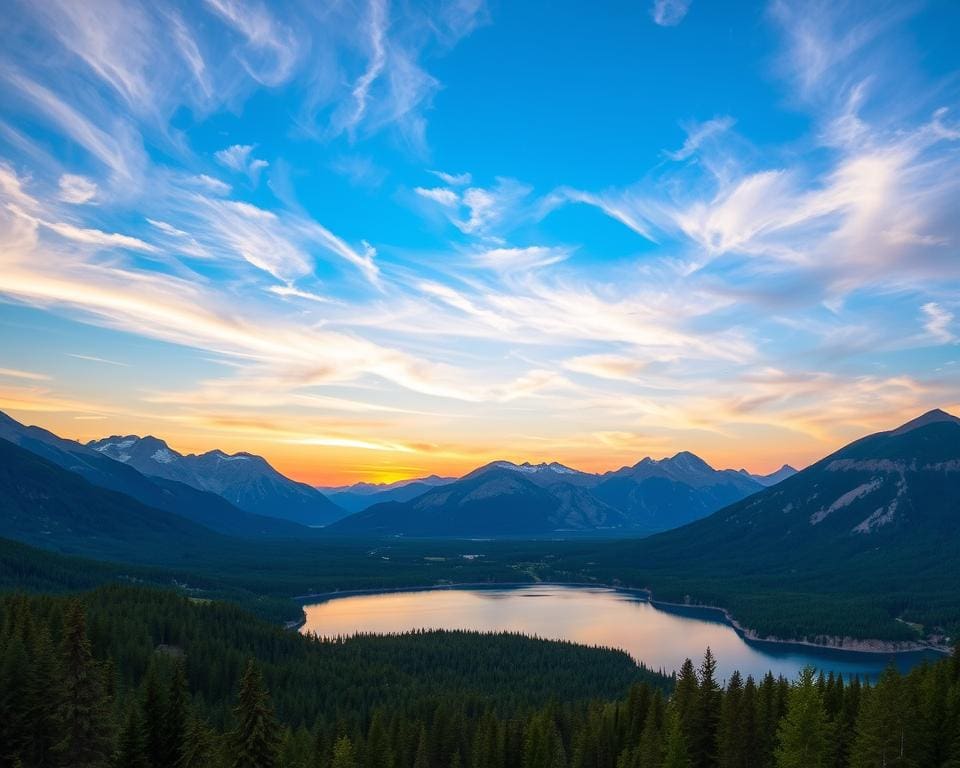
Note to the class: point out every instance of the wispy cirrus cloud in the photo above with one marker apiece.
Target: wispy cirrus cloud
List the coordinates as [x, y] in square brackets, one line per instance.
[77, 190]
[938, 321]
[698, 133]
[237, 158]
[669, 13]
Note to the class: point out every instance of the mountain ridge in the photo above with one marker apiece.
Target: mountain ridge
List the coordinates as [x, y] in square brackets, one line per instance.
[246, 480]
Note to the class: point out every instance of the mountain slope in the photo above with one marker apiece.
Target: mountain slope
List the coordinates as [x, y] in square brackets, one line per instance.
[773, 478]
[650, 496]
[244, 479]
[886, 489]
[658, 495]
[202, 507]
[869, 534]
[47, 506]
[360, 496]
[495, 502]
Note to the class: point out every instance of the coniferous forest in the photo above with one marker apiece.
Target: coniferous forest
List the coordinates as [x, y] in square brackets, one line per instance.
[131, 677]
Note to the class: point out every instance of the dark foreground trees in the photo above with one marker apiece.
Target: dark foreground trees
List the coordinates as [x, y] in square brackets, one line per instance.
[116, 681]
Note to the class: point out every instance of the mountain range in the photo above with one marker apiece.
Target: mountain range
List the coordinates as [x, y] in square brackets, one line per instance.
[880, 515]
[203, 507]
[904, 483]
[507, 499]
[359, 496]
[245, 480]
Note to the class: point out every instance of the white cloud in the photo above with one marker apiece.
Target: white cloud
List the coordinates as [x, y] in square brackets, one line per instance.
[76, 190]
[377, 33]
[445, 197]
[272, 49]
[290, 291]
[698, 133]
[519, 259]
[238, 158]
[16, 373]
[453, 179]
[669, 13]
[938, 322]
[113, 149]
[606, 366]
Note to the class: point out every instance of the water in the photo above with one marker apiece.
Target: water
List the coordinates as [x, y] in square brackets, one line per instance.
[662, 638]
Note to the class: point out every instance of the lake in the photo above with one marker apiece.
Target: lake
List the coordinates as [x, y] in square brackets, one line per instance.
[660, 637]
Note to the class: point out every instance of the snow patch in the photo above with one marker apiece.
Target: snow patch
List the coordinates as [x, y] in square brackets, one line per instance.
[531, 469]
[163, 455]
[879, 518]
[846, 500]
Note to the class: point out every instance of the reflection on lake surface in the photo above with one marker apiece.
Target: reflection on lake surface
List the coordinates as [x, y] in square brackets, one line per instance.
[661, 638]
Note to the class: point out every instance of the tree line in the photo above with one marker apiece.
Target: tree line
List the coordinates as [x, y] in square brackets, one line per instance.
[130, 677]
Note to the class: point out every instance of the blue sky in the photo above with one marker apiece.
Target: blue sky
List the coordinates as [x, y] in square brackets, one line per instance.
[374, 239]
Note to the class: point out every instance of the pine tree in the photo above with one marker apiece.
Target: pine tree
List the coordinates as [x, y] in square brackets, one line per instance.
[675, 748]
[685, 696]
[132, 752]
[485, 751]
[43, 703]
[199, 745]
[378, 751]
[883, 734]
[175, 720]
[650, 748]
[542, 745]
[422, 758]
[702, 738]
[729, 741]
[154, 715]
[344, 755]
[85, 707]
[14, 714]
[804, 733]
[255, 741]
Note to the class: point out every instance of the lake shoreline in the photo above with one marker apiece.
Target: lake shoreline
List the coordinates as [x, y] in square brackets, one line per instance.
[825, 642]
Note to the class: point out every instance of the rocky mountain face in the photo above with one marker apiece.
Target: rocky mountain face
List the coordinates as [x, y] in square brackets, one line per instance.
[244, 479]
[549, 498]
[894, 489]
[200, 506]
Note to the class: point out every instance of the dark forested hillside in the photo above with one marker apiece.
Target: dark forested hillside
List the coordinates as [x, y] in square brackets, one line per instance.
[862, 538]
[133, 677]
[178, 498]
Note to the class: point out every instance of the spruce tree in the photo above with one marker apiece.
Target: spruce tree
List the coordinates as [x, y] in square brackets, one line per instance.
[344, 755]
[884, 732]
[199, 745]
[422, 757]
[175, 720]
[542, 745]
[43, 702]
[702, 737]
[729, 741]
[804, 733]
[651, 747]
[675, 748]
[132, 750]
[14, 713]
[154, 716]
[255, 740]
[85, 707]
[378, 751]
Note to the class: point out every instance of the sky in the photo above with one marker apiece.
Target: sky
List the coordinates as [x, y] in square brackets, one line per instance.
[374, 240]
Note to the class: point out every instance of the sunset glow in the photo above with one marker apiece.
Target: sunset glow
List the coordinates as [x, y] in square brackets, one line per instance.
[371, 241]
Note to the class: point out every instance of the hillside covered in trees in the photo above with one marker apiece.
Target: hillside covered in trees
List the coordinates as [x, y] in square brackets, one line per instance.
[148, 679]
